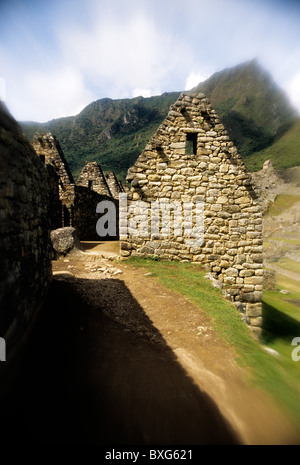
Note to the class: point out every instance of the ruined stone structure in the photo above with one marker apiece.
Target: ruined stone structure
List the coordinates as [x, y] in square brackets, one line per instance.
[25, 248]
[50, 152]
[78, 202]
[114, 184]
[92, 176]
[266, 184]
[191, 159]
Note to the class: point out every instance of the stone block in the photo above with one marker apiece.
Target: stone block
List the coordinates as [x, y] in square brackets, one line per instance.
[256, 321]
[64, 241]
[251, 297]
[246, 273]
[254, 310]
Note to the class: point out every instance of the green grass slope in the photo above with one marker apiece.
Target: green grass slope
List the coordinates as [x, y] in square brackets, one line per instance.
[284, 153]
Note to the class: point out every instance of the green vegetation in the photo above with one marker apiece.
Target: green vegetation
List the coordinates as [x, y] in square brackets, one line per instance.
[281, 323]
[110, 132]
[284, 240]
[289, 265]
[282, 203]
[284, 153]
[245, 133]
[278, 375]
[288, 284]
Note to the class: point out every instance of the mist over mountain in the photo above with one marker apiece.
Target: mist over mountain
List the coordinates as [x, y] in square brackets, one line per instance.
[254, 110]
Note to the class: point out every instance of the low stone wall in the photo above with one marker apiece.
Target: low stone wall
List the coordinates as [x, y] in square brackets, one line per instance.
[25, 249]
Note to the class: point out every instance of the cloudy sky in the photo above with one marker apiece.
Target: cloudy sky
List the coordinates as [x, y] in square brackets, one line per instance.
[57, 56]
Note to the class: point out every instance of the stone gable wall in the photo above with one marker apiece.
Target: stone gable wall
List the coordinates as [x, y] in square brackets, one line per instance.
[92, 176]
[54, 204]
[114, 184]
[191, 159]
[49, 150]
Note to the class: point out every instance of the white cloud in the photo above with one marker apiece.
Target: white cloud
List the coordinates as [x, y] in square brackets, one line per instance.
[143, 92]
[123, 55]
[49, 94]
[194, 79]
[292, 87]
[2, 89]
[120, 49]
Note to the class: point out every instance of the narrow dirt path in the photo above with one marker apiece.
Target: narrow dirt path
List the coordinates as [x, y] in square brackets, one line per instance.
[119, 359]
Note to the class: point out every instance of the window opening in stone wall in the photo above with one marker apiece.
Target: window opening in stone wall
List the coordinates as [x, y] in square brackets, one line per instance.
[191, 143]
[185, 114]
[207, 119]
[90, 184]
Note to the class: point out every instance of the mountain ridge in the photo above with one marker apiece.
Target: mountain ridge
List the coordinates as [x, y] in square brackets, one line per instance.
[254, 110]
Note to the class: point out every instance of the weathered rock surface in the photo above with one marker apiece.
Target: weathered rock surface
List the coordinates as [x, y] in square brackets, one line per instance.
[64, 241]
[25, 249]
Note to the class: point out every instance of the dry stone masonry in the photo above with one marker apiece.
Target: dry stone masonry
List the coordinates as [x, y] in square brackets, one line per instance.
[25, 248]
[50, 152]
[191, 159]
[78, 202]
[114, 184]
[92, 176]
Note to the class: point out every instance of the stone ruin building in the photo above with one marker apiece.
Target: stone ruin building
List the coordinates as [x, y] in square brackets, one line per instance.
[191, 159]
[51, 154]
[92, 176]
[78, 201]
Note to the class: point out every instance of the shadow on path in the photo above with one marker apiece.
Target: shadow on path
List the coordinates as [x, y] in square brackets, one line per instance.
[98, 372]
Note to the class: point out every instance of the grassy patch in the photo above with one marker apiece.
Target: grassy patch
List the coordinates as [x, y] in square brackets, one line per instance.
[282, 303]
[285, 240]
[278, 376]
[284, 153]
[289, 265]
[289, 284]
[281, 203]
[281, 323]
